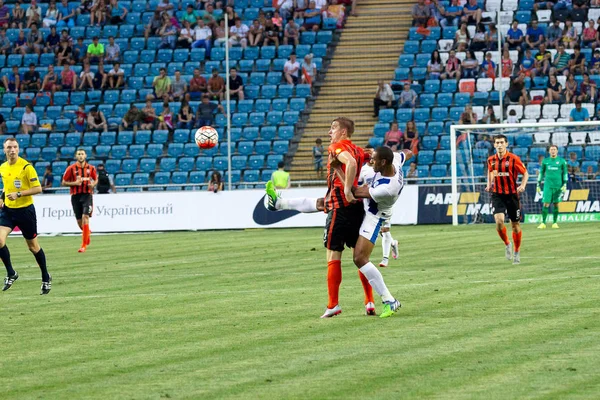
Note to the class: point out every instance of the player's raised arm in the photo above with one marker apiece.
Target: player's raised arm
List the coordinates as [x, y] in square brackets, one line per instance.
[346, 158]
[407, 154]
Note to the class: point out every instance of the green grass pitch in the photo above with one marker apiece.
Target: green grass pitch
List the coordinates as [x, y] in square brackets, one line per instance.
[235, 314]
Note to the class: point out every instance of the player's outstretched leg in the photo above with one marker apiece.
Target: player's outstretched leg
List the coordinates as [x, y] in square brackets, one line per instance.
[516, 234]
[501, 229]
[555, 216]
[368, 289]
[272, 196]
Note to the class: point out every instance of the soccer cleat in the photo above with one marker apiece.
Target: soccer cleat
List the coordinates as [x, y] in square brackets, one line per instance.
[370, 309]
[384, 262]
[332, 312]
[555, 226]
[389, 308]
[517, 258]
[46, 286]
[272, 196]
[542, 226]
[9, 280]
[81, 249]
[395, 249]
[508, 251]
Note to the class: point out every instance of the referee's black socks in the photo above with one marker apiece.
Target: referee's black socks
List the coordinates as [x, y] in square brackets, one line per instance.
[40, 257]
[5, 257]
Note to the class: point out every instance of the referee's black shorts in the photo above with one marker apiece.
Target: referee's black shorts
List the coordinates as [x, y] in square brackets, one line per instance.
[24, 218]
[343, 226]
[83, 204]
[508, 204]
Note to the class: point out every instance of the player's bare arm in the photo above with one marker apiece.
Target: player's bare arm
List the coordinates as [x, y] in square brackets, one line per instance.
[346, 158]
[29, 192]
[523, 184]
[490, 179]
[361, 192]
[407, 154]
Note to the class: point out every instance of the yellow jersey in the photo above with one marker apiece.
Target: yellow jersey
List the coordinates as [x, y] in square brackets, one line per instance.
[16, 178]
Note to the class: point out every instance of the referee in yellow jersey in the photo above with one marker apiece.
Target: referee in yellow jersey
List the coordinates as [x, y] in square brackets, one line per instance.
[16, 209]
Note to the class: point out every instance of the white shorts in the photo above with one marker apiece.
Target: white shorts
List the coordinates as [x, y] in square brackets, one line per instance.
[371, 226]
[387, 224]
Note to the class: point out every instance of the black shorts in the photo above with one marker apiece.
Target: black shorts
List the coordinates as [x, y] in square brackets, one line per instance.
[508, 204]
[24, 218]
[343, 226]
[82, 204]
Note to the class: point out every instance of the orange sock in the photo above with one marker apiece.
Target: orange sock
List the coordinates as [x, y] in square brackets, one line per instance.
[334, 280]
[517, 240]
[85, 235]
[367, 288]
[503, 235]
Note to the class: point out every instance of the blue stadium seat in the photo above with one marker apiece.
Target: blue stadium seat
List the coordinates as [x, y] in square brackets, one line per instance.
[220, 162]
[23, 140]
[421, 114]
[250, 133]
[422, 60]
[197, 176]
[113, 166]
[281, 146]
[291, 117]
[179, 177]
[102, 151]
[155, 150]
[427, 100]
[239, 162]
[455, 113]
[445, 143]
[285, 91]
[411, 46]
[442, 156]
[462, 99]
[439, 171]
[147, 165]
[128, 166]
[375, 142]
[263, 147]
[275, 117]
[142, 137]
[257, 78]
[592, 153]
[33, 153]
[245, 148]
[136, 150]
[125, 137]
[160, 136]
[521, 152]
[59, 167]
[273, 160]
[256, 162]
[142, 178]
[425, 157]
[429, 143]
[439, 114]
[204, 163]
[162, 178]
[401, 74]
[307, 38]
[175, 149]
[432, 86]
[480, 155]
[58, 139]
[197, 55]
[38, 140]
[181, 136]
[297, 105]
[122, 179]
[185, 163]
[586, 164]
[524, 141]
[386, 116]
[285, 133]
[578, 150]
[406, 60]
[380, 129]
[118, 151]
[251, 175]
[403, 114]
[449, 86]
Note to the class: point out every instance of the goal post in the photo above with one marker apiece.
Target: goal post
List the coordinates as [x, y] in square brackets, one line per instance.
[468, 156]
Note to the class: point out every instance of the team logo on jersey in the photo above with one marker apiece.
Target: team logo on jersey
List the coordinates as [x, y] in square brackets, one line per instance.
[506, 164]
[17, 183]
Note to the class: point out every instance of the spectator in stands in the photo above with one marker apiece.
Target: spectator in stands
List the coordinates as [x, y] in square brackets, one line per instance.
[516, 93]
[236, 85]
[47, 180]
[554, 92]
[68, 78]
[98, 13]
[571, 89]
[165, 6]
[479, 40]
[411, 137]
[85, 7]
[20, 45]
[408, 97]
[468, 117]
[148, 116]
[514, 36]
[131, 119]
[462, 38]
[299, 8]
[512, 117]
[31, 80]
[66, 16]
[570, 37]
[4, 15]
[205, 115]
[50, 80]
[590, 36]
[231, 16]
[168, 35]
[590, 174]
[52, 16]
[79, 50]
[165, 120]
[312, 17]
[100, 78]
[291, 70]
[190, 15]
[35, 40]
[489, 117]
[507, 64]
[80, 119]
[179, 87]
[412, 174]
[318, 151]
[472, 12]
[577, 62]
[113, 51]
[216, 86]
[64, 37]
[281, 178]
[52, 41]
[185, 117]
[587, 90]
[96, 121]
[420, 13]
[238, 34]
[17, 17]
[309, 70]
[202, 37]
[393, 137]
[554, 35]
[291, 33]
[33, 14]
[162, 85]
[116, 76]
[198, 85]
[29, 120]
[186, 35]
[154, 25]
[5, 43]
[595, 63]
[581, 4]
[579, 113]
[561, 62]
[452, 69]
[543, 61]
[572, 162]
[470, 66]
[534, 36]
[491, 37]
[209, 17]
[452, 14]
[527, 65]
[95, 51]
[216, 183]
[434, 66]
[383, 97]
[219, 34]
[271, 34]
[117, 13]
[12, 81]
[255, 34]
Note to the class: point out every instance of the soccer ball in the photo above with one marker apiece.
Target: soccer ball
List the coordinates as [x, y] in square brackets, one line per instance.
[207, 137]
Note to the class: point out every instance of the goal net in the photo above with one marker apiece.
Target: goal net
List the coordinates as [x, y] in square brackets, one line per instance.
[578, 143]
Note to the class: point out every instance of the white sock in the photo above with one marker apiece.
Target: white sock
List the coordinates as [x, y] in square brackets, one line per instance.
[376, 280]
[386, 243]
[302, 204]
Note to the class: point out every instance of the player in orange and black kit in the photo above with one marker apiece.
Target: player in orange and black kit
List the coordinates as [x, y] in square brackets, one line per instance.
[503, 170]
[81, 177]
[344, 213]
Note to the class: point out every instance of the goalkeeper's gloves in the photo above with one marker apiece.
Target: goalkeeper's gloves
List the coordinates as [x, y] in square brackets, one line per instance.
[563, 189]
[538, 189]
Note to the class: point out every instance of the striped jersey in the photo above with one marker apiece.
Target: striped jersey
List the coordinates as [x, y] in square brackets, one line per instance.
[384, 190]
[505, 172]
[335, 197]
[85, 171]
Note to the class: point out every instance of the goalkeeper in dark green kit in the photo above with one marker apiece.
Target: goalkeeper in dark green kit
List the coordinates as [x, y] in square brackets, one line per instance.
[554, 173]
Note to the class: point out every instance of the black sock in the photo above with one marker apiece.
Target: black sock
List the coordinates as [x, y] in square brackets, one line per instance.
[5, 257]
[40, 257]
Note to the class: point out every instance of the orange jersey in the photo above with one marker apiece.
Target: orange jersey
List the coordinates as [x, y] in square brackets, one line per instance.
[75, 170]
[335, 197]
[506, 170]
